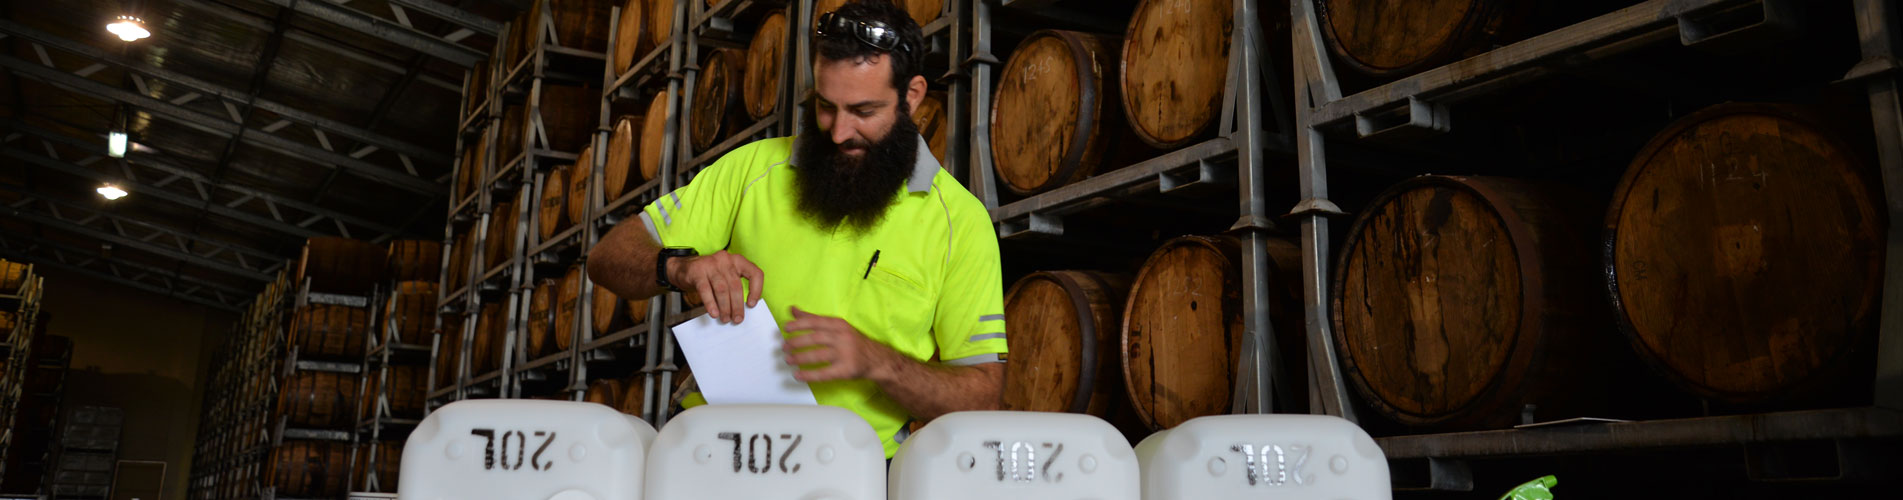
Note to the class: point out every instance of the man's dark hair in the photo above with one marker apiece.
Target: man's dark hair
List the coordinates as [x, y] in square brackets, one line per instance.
[905, 64]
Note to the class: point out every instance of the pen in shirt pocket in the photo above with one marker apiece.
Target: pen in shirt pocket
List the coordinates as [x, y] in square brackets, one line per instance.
[875, 260]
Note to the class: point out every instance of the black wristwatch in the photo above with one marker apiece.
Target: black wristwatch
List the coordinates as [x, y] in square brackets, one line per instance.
[660, 265]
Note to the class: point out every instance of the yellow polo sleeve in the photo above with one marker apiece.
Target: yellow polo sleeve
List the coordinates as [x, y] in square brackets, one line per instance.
[701, 214]
[969, 322]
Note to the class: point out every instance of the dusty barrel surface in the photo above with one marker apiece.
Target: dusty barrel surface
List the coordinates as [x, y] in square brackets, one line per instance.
[414, 260]
[631, 36]
[553, 202]
[615, 180]
[449, 351]
[500, 240]
[313, 399]
[1064, 342]
[540, 317]
[718, 109]
[765, 57]
[930, 118]
[567, 305]
[1183, 329]
[654, 136]
[607, 313]
[1460, 300]
[1744, 254]
[412, 312]
[329, 331]
[310, 468]
[1054, 113]
[580, 177]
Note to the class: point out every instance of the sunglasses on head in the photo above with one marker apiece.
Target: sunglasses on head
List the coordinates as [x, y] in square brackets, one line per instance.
[874, 34]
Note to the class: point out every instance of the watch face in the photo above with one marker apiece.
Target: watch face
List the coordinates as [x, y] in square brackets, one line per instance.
[767, 451]
[525, 449]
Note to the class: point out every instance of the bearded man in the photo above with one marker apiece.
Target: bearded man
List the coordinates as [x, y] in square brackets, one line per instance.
[884, 273]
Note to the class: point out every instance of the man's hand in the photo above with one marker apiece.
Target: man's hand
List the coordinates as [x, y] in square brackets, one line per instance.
[832, 340]
[716, 277]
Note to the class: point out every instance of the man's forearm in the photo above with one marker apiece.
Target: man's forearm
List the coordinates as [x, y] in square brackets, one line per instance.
[624, 261]
[928, 391]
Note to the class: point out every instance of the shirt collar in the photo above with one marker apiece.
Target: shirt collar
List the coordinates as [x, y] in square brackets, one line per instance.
[924, 166]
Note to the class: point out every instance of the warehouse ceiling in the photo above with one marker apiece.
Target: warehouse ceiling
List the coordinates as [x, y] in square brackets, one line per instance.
[254, 124]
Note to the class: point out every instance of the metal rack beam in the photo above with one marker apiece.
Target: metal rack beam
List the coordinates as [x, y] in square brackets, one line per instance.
[1879, 31]
[295, 115]
[404, 36]
[271, 202]
[221, 127]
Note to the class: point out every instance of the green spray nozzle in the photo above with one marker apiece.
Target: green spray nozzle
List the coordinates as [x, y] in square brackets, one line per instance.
[1537, 489]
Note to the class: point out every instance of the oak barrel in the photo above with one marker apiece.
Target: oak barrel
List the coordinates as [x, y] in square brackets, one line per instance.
[765, 55]
[554, 202]
[580, 175]
[632, 395]
[620, 159]
[310, 468]
[457, 272]
[568, 300]
[449, 351]
[477, 89]
[1385, 39]
[469, 174]
[1054, 115]
[606, 308]
[12, 276]
[638, 310]
[389, 459]
[653, 136]
[405, 391]
[1183, 327]
[313, 399]
[1459, 300]
[631, 36]
[540, 317]
[414, 260]
[718, 111]
[1743, 253]
[1063, 342]
[606, 391]
[930, 118]
[500, 240]
[569, 115]
[660, 18]
[340, 265]
[924, 11]
[329, 331]
[486, 348]
[411, 311]
[1175, 67]
[509, 138]
[579, 24]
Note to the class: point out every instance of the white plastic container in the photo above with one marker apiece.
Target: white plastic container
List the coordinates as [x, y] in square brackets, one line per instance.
[1007, 455]
[1286, 457]
[523, 449]
[755, 452]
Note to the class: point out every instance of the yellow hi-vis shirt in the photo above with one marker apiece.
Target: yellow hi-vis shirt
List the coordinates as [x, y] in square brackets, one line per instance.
[935, 292]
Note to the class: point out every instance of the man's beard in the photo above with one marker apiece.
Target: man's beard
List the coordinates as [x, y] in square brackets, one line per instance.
[836, 189]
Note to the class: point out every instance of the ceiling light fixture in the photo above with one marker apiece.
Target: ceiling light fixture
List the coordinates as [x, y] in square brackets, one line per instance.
[116, 144]
[129, 28]
[111, 192]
